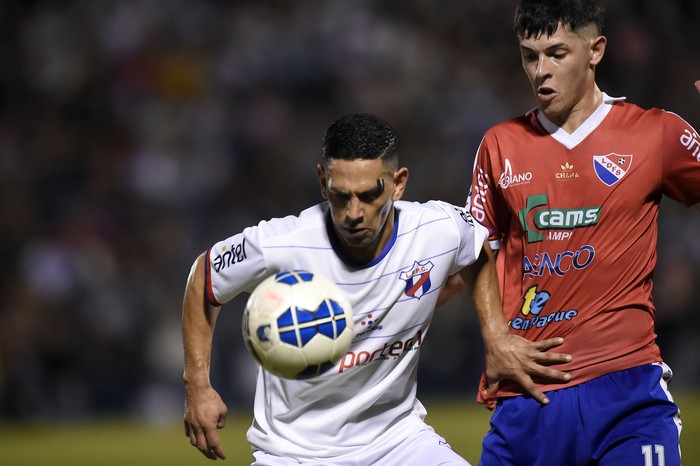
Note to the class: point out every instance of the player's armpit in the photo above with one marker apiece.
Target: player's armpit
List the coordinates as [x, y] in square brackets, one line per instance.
[452, 287]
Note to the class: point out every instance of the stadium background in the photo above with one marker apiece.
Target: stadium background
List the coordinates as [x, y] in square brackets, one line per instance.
[134, 134]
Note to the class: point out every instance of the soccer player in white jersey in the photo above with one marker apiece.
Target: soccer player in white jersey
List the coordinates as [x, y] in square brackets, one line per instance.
[391, 258]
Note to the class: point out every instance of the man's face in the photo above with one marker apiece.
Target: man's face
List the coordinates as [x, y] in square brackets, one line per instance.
[361, 194]
[561, 70]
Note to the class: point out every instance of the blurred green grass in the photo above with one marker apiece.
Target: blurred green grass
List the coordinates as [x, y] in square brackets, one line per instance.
[125, 443]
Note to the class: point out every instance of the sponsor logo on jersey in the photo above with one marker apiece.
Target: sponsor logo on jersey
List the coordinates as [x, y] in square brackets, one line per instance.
[554, 219]
[509, 179]
[368, 324]
[612, 167]
[533, 313]
[417, 278]
[690, 141]
[559, 235]
[560, 264]
[567, 172]
[476, 201]
[390, 350]
[229, 257]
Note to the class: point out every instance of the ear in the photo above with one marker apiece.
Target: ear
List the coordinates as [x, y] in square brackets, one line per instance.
[400, 180]
[322, 180]
[597, 49]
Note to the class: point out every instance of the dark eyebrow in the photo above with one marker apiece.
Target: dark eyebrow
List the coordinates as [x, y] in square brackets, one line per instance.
[551, 48]
[374, 192]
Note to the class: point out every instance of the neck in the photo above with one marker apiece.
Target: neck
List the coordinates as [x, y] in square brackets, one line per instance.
[580, 112]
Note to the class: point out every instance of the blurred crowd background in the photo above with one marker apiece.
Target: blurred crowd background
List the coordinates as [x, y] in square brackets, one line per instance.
[134, 134]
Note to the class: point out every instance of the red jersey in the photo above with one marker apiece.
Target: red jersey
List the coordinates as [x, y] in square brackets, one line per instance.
[575, 219]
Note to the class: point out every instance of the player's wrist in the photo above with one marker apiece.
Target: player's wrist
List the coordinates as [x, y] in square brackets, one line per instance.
[198, 380]
[493, 334]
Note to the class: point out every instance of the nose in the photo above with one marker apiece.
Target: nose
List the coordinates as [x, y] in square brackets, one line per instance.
[541, 69]
[355, 209]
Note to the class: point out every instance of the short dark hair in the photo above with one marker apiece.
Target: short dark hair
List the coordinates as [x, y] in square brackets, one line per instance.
[536, 17]
[360, 136]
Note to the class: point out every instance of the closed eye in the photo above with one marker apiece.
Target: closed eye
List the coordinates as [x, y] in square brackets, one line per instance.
[529, 57]
[370, 196]
[340, 196]
[364, 196]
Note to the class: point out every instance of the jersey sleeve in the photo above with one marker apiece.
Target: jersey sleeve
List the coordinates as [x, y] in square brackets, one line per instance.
[234, 265]
[484, 202]
[681, 160]
[471, 235]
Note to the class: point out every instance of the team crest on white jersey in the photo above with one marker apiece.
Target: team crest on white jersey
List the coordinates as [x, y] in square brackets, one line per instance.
[612, 167]
[417, 278]
[509, 179]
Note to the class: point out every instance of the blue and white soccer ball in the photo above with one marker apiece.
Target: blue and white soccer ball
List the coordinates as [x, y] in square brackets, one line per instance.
[297, 324]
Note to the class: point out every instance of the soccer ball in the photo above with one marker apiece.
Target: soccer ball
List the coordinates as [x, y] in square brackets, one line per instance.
[297, 324]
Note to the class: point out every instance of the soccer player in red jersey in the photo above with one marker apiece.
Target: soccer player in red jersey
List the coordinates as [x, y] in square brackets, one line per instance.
[570, 193]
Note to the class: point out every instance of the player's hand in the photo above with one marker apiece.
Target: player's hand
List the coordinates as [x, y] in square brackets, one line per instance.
[205, 412]
[515, 358]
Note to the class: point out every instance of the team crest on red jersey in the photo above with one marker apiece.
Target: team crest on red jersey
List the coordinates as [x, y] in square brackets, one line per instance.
[417, 278]
[612, 167]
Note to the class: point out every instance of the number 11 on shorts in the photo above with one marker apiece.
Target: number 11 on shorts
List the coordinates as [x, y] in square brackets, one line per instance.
[648, 460]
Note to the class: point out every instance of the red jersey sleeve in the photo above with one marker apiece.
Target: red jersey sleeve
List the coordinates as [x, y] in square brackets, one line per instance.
[681, 159]
[485, 203]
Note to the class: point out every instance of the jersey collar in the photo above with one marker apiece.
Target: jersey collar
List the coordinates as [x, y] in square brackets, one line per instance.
[587, 127]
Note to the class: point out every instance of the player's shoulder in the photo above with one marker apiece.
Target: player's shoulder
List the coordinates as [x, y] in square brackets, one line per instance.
[432, 207]
[622, 108]
[627, 113]
[627, 109]
[415, 214]
[311, 218]
[518, 126]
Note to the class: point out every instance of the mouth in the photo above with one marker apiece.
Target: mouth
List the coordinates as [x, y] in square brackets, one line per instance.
[356, 231]
[546, 93]
[356, 235]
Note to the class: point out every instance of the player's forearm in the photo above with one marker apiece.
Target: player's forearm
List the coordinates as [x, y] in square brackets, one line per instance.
[198, 323]
[487, 298]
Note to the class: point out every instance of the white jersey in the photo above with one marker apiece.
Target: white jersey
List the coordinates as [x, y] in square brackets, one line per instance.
[369, 397]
